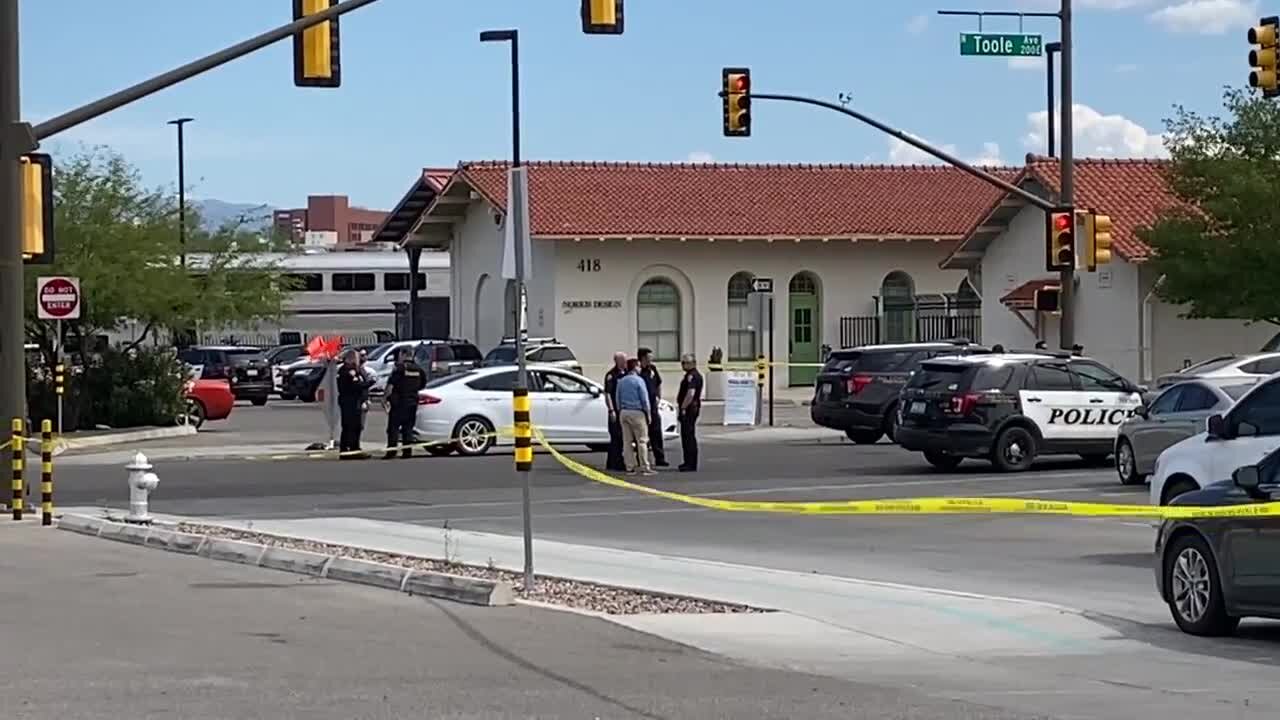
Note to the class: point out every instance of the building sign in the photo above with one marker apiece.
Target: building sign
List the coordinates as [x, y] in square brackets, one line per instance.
[590, 304]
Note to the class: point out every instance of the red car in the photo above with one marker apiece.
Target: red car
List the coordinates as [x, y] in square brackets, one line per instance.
[208, 400]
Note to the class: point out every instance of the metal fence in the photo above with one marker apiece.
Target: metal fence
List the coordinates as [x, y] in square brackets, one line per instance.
[873, 330]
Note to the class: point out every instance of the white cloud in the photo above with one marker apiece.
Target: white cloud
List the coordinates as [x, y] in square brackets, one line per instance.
[918, 24]
[1207, 17]
[699, 156]
[1097, 135]
[903, 153]
[1026, 63]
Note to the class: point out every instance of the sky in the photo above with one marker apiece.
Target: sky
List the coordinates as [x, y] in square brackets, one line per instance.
[419, 89]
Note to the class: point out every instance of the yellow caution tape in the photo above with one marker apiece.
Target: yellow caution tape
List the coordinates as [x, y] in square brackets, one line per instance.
[924, 506]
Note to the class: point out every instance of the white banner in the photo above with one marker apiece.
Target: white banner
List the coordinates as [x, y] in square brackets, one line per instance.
[739, 398]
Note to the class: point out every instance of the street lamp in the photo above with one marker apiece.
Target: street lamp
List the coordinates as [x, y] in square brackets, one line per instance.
[1049, 50]
[520, 395]
[182, 187]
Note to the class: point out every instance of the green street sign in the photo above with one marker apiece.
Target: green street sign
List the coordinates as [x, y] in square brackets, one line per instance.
[1000, 45]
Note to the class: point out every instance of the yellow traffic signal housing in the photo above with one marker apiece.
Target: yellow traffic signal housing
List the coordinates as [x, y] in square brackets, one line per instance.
[36, 214]
[602, 17]
[1060, 240]
[1097, 238]
[736, 90]
[1263, 58]
[315, 50]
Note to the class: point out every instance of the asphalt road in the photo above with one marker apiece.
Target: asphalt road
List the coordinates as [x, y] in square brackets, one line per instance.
[95, 629]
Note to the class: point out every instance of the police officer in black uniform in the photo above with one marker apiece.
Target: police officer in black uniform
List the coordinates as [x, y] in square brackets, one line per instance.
[614, 461]
[689, 405]
[652, 379]
[402, 404]
[352, 388]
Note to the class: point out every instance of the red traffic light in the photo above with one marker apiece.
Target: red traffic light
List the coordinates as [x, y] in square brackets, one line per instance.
[741, 84]
[1061, 222]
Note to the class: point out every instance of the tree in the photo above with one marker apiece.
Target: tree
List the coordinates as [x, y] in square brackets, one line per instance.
[121, 240]
[1217, 249]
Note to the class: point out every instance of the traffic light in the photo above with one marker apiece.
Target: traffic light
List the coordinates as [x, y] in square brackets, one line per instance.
[737, 101]
[602, 17]
[1097, 238]
[1048, 299]
[315, 50]
[1263, 57]
[36, 216]
[1060, 240]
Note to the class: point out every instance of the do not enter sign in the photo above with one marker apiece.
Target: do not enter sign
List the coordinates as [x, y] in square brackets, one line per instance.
[58, 298]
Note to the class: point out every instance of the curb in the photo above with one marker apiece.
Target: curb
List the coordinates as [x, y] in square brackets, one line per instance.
[472, 591]
[65, 444]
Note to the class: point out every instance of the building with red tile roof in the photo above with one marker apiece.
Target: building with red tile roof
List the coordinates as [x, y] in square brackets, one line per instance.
[1119, 317]
[664, 254]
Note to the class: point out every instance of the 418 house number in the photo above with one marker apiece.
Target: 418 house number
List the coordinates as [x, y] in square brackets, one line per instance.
[589, 265]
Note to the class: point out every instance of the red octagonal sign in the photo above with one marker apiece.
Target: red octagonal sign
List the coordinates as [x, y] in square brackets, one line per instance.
[58, 298]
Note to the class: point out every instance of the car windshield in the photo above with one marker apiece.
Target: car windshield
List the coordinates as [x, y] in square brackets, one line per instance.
[501, 354]
[1236, 391]
[241, 356]
[379, 352]
[840, 361]
[450, 379]
[1210, 365]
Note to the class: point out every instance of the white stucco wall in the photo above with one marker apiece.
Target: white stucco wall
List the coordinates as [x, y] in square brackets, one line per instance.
[1013, 258]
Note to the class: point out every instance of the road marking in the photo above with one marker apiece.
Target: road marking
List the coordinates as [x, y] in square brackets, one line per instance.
[540, 516]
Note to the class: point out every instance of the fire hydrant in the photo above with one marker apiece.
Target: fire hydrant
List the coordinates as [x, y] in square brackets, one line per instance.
[141, 482]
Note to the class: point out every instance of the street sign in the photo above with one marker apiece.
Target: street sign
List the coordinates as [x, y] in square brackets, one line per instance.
[1001, 45]
[58, 298]
[762, 285]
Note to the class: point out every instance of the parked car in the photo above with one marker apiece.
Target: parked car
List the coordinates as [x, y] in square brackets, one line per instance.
[1226, 369]
[1177, 413]
[1214, 571]
[446, 357]
[469, 408]
[542, 350]
[278, 358]
[243, 366]
[1242, 435]
[301, 379]
[208, 400]
[856, 391]
[382, 360]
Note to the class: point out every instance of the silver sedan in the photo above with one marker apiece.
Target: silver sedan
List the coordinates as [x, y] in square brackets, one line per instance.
[1178, 412]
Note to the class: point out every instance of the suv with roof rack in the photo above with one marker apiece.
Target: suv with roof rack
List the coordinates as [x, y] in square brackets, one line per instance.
[856, 391]
[1010, 408]
[542, 350]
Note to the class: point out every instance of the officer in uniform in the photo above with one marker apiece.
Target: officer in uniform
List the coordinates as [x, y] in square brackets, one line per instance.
[689, 404]
[653, 380]
[352, 388]
[402, 404]
[614, 461]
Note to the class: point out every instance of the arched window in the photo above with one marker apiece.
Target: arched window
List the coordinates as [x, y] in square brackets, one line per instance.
[658, 319]
[898, 295]
[742, 339]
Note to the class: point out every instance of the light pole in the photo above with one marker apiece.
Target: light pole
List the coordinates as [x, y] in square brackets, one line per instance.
[520, 395]
[1049, 50]
[182, 187]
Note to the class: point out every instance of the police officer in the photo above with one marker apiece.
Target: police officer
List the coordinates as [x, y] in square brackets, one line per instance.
[353, 387]
[402, 404]
[614, 461]
[689, 405]
[653, 380]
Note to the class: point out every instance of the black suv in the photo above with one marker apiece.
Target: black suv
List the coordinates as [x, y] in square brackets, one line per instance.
[857, 389]
[1009, 408]
[244, 367]
[446, 357]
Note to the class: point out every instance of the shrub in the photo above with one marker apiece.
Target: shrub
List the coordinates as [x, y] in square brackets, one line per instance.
[117, 389]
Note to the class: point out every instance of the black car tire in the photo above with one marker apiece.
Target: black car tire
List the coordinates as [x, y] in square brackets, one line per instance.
[308, 396]
[891, 423]
[862, 436]
[1189, 562]
[1002, 452]
[473, 425]
[943, 461]
[288, 396]
[258, 401]
[1127, 464]
[196, 413]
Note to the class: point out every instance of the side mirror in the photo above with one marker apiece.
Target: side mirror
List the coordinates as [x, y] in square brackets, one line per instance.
[1247, 477]
[1216, 427]
[595, 391]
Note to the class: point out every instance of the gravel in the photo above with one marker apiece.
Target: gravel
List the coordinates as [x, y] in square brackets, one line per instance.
[554, 591]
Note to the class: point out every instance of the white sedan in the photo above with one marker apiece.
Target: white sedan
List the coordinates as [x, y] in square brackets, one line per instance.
[474, 410]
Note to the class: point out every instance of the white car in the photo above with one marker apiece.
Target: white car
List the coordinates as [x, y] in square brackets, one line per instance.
[1241, 436]
[382, 360]
[1226, 370]
[473, 407]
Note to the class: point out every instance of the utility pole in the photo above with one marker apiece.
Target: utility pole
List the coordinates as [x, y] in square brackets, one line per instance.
[1049, 50]
[18, 138]
[182, 188]
[1066, 196]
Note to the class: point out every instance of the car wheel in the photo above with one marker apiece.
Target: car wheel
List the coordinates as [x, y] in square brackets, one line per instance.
[1195, 588]
[1127, 464]
[863, 437]
[598, 447]
[308, 396]
[258, 401]
[943, 461]
[1178, 487]
[473, 435]
[196, 413]
[1014, 450]
[891, 423]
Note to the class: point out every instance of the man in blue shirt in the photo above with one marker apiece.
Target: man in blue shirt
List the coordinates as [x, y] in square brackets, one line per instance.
[633, 413]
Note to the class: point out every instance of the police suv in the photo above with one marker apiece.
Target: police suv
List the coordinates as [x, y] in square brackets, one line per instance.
[1009, 408]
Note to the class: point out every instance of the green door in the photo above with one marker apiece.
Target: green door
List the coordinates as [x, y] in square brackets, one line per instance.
[804, 338]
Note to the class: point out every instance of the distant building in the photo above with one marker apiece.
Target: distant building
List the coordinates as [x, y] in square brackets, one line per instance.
[350, 226]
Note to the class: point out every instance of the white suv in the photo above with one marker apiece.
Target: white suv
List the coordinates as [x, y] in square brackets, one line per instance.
[1241, 436]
